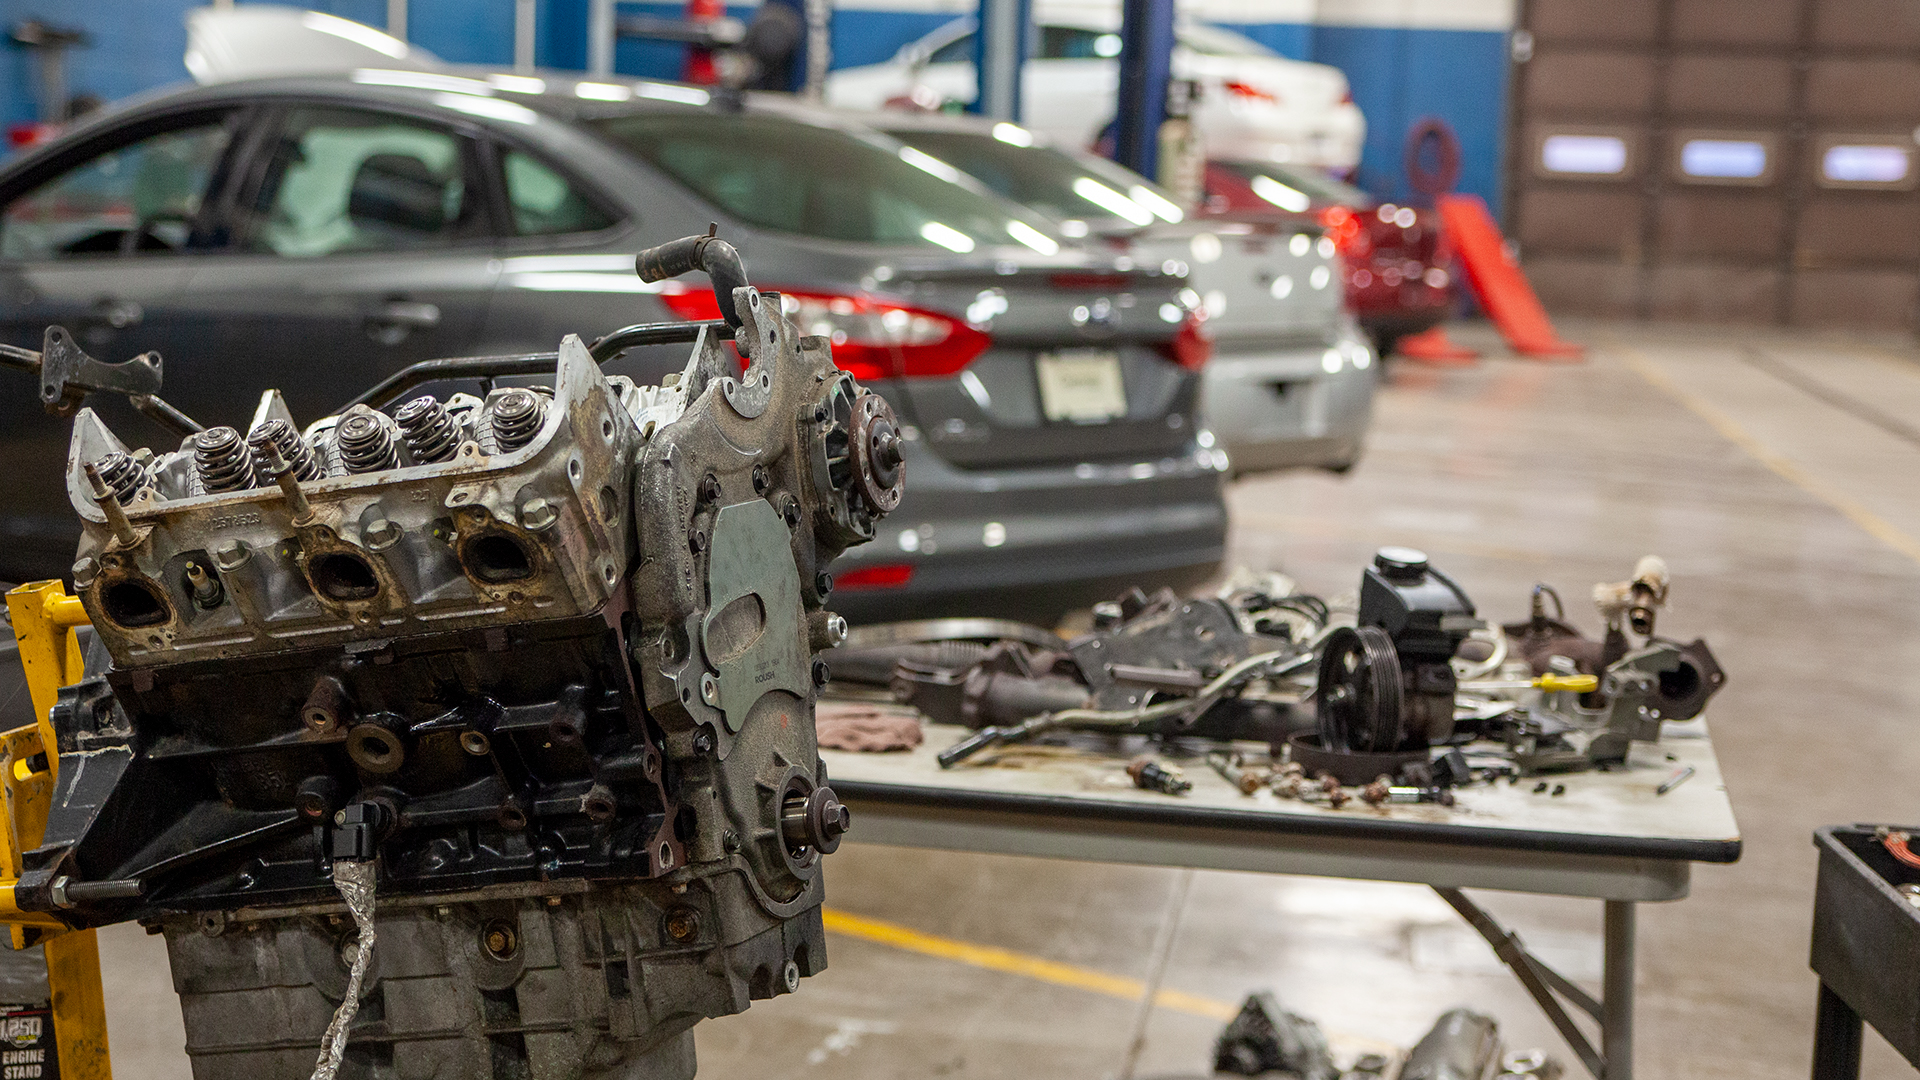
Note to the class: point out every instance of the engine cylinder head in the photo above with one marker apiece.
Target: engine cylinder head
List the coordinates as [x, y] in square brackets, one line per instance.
[431, 433]
[123, 475]
[517, 415]
[281, 436]
[366, 445]
[222, 460]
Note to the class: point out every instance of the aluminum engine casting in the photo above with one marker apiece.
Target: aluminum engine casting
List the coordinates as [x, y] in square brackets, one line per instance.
[548, 653]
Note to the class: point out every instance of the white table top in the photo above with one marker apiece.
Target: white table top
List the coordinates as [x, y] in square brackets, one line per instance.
[1609, 835]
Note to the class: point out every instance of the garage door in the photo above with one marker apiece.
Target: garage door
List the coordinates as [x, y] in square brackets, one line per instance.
[1719, 160]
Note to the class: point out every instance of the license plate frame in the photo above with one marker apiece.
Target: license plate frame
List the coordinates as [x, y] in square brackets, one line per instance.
[1081, 386]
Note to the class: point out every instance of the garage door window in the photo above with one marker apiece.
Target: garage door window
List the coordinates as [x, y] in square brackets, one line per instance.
[1853, 161]
[343, 181]
[1583, 155]
[140, 197]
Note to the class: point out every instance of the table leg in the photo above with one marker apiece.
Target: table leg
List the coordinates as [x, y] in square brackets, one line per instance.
[1616, 1026]
[1836, 1039]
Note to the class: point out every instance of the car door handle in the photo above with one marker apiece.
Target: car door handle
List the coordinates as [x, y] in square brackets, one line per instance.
[409, 314]
[116, 313]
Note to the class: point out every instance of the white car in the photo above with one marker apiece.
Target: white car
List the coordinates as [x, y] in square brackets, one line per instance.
[1255, 105]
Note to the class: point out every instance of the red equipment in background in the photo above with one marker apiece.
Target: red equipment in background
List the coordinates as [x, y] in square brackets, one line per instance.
[1492, 273]
[700, 68]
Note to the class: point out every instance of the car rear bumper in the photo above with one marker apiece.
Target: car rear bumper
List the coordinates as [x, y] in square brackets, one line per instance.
[1024, 542]
[1281, 408]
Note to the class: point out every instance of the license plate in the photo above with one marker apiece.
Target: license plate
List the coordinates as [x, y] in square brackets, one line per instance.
[1081, 386]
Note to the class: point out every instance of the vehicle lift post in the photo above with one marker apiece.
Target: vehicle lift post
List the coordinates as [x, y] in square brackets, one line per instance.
[1146, 65]
[1000, 50]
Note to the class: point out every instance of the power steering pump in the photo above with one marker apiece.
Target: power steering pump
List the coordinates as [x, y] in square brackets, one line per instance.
[470, 736]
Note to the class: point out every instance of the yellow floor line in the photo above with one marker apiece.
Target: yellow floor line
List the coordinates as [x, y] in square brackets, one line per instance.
[1013, 963]
[1869, 522]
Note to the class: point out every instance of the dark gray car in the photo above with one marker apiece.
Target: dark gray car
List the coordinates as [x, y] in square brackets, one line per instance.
[316, 234]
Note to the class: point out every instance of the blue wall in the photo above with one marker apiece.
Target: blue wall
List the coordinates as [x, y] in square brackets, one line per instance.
[1398, 75]
[1402, 76]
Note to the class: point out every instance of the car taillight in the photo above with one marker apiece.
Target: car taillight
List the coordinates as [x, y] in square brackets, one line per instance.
[1192, 347]
[1344, 228]
[885, 576]
[1248, 92]
[872, 338]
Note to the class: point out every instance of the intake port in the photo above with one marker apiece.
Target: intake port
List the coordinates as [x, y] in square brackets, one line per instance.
[133, 603]
[344, 577]
[495, 558]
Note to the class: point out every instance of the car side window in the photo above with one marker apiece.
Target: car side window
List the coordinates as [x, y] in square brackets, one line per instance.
[141, 196]
[957, 51]
[543, 202]
[1074, 43]
[345, 180]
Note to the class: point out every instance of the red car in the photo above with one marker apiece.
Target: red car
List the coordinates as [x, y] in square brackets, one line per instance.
[1400, 269]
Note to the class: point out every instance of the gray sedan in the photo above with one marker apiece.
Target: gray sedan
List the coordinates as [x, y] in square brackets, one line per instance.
[1289, 382]
[315, 234]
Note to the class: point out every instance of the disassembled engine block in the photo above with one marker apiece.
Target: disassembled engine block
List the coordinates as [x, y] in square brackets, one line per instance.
[538, 665]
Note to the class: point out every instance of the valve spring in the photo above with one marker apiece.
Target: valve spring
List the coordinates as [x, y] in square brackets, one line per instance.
[124, 476]
[222, 460]
[365, 443]
[292, 447]
[430, 432]
[517, 415]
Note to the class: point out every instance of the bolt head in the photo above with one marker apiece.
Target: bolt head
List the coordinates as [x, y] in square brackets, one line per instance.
[231, 555]
[710, 690]
[84, 571]
[382, 534]
[537, 514]
[703, 742]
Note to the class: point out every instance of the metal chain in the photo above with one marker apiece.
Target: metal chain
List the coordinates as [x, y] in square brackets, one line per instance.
[354, 878]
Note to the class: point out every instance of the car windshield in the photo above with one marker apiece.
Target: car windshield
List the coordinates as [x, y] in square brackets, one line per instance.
[1318, 186]
[1063, 186]
[823, 182]
[1214, 41]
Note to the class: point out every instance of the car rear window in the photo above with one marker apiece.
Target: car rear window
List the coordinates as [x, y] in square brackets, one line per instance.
[1321, 187]
[823, 182]
[1050, 180]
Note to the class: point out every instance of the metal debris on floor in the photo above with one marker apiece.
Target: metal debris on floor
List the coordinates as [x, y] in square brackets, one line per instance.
[1267, 1040]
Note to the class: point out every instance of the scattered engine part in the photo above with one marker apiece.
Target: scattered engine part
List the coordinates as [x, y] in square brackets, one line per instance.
[1660, 682]
[1150, 775]
[864, 728]
[550, 695]
[1265, 1038]
[1158, 664]
[1636, 601]
[1242, 776]
[869, 653]
[1427, 616]
[1462, 1045]
[1564, 725]
[1543, 637]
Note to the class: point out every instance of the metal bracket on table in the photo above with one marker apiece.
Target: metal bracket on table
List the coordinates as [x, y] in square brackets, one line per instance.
[1542, 982]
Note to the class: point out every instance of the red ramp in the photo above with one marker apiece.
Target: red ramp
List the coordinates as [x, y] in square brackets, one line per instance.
[1496, 279]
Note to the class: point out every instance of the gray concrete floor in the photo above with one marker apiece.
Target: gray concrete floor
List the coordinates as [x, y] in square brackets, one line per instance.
[1775, 473]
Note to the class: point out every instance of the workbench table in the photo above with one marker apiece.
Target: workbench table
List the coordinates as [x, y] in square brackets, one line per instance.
[1609, 837]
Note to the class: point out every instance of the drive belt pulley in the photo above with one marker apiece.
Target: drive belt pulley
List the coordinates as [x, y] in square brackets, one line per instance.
[1359, 691]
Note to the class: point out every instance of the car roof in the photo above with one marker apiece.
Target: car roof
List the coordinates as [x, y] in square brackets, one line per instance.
[497, 99]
